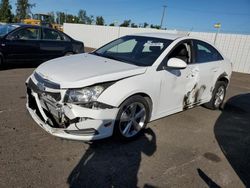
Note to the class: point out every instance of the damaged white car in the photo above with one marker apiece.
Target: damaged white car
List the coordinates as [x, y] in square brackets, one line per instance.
[125, 84]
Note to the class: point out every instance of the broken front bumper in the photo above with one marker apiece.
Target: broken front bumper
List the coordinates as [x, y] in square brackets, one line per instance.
[80, 123]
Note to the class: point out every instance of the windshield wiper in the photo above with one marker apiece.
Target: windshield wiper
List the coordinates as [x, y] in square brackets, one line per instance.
[95, 53]
[117, 59]
[111, 57]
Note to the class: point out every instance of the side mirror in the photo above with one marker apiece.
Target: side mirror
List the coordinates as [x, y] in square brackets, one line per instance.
[176, 63]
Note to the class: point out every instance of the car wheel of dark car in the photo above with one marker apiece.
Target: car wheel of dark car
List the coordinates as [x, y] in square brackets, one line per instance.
[132, 118]
[1, 63]
[68, 53]
[218, 97]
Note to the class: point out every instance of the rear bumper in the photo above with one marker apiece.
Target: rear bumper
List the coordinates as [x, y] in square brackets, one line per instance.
[91, 125]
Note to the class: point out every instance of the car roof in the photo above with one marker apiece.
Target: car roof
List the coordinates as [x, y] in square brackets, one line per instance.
[169, 36]
[14, 24]
[18, 25]
[172, 36]
[29, 25]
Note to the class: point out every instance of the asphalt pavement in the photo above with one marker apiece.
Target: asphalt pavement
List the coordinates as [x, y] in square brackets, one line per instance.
[195, 148]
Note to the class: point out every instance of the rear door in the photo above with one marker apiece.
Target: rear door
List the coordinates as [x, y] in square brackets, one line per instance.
[207, 59]
[53, 44]
[22, 44]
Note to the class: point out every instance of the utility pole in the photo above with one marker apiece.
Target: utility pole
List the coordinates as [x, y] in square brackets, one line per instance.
[65, 15]
[217, 26]
[163, 14]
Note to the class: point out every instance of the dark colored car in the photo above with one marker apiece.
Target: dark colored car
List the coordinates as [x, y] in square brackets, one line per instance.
[35, 43]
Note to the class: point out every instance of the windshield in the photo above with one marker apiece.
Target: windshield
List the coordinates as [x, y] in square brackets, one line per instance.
[137, 50]
[5, 29]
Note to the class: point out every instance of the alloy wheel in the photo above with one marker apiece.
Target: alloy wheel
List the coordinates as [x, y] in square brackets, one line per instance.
[219, 96]
[132, 119]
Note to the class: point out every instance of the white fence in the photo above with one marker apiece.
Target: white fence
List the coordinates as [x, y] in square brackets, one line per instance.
[235, 47]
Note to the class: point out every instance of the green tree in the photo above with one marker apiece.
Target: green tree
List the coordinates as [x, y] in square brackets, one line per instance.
[126, 23]
[60, 17]
[82, 16]
[145, 24]
[52, 17]
[72, 18]
[112, 24]
[75, 19]
[90, 19]
[133, 25]
[99, 20]
[5, 11]
[155, 26]
[23, 9]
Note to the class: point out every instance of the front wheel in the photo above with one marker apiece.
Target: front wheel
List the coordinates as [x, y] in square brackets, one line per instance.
[218, 97]
[132, 118]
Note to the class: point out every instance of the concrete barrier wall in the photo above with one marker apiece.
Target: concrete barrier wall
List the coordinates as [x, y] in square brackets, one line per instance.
[235, 47]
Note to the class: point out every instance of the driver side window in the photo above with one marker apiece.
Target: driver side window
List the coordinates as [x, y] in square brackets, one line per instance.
[182, 51]
[49, 34]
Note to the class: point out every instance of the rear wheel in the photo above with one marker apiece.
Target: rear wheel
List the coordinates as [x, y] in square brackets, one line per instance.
[218, 97]
[132, 118]
[68, 53]
[1, 63]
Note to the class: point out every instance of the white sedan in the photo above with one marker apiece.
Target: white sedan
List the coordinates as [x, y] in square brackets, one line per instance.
[120, 87]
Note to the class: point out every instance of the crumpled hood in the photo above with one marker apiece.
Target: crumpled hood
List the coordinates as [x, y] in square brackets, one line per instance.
[86, 69]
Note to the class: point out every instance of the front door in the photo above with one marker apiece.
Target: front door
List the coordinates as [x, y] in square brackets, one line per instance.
[178, 85]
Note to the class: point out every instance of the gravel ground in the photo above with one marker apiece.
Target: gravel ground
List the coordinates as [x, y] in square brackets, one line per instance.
[195, 148]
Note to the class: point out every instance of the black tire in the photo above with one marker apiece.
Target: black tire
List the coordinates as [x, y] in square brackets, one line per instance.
[69, 53]
[124, 108]
[1, 63]
[212, 103]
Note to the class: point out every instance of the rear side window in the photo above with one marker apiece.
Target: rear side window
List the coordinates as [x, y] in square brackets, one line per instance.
[49, 34]
[204, 52]
[65, 37]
